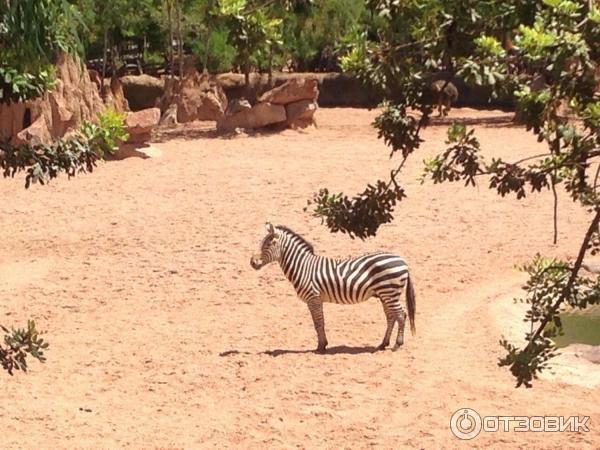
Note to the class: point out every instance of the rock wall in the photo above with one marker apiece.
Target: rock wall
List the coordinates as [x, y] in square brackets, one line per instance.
[336, 90]
[74, 99]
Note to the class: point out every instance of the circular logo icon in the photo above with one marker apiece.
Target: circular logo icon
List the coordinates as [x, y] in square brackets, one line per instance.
[465, 423]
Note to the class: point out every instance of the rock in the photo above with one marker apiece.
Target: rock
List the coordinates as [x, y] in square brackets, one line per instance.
[142, 91]
[113, 96]
[63, 119]
[260, 115]
[96, 78]
[213, 103]
[292, 91]
[36, 133]
[139, 138]
[592, 266]
[237, 105]
[197, 97]
[120, 102]
[74, 99]
[301, 111]
[589, 352]
[267, 114]
[140, 124]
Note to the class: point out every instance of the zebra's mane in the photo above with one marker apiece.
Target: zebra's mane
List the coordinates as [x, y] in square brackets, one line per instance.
[302, 240]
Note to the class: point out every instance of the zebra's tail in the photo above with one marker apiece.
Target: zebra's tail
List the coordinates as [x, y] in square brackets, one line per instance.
[410, 304]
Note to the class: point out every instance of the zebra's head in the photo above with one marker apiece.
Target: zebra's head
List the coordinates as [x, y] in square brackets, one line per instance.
[270, 248]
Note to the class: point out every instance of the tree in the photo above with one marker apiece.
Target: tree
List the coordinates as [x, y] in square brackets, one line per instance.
[311, 27]
[31, 33]
[112, 23]
[252, 31]
[556, 42]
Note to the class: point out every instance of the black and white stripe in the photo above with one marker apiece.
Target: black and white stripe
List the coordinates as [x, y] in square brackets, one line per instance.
[318, 279]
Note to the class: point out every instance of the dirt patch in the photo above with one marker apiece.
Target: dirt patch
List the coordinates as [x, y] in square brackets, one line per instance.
[163, 336]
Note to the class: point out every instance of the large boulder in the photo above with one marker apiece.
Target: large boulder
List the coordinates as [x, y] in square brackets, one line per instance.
[259, 116]
[140, 124]
[74, 99]
[301, 114]
[142, 91]
[292, 91]
[236, 105]
[36, 133]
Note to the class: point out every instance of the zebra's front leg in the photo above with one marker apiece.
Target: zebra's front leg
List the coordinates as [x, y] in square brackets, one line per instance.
[315, 307]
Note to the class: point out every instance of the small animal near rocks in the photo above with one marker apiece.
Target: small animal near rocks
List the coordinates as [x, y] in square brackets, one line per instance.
[444, 93]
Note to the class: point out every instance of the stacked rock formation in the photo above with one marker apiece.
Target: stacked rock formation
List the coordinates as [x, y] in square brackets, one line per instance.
[291, 105]
[196, 97]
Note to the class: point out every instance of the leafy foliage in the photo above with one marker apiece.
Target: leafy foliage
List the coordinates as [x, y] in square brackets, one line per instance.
[216, 51]
[552, 66]
[361, 215]
[79, 154]
[18, 86]
[18, 344]
[32, 32]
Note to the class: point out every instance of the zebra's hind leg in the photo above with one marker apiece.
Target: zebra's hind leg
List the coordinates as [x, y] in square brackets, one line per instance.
[316, 311]
[393, 313]
[401, 318]
[391, 319]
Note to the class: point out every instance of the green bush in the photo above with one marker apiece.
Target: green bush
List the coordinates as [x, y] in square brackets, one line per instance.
[110, 131]
[154, 58]
[18, 343]
[18, 86]
[79, 154]
[216, 51]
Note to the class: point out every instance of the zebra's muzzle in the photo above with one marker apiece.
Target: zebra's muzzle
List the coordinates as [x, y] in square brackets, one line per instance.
[256, 263]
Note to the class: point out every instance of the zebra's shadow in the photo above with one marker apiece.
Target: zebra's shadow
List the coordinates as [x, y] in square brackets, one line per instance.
[337, 350]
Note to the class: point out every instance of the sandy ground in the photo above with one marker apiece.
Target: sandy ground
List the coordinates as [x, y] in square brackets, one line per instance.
[163, 336]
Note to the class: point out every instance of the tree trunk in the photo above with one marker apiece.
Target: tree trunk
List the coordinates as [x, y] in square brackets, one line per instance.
[206, 45]
[105, 54]
[169, 4]
[270, 82]
[179, 38]
[247, 74]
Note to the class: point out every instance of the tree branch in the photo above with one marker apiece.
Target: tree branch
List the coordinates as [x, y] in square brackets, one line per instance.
[574, 272]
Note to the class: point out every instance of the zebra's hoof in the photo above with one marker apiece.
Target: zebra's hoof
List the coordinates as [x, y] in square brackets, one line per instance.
[320, 350]
[382, 346]
[397, 346]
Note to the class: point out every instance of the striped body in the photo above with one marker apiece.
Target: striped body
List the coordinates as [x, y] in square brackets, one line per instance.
[318, 279]
[353, 280]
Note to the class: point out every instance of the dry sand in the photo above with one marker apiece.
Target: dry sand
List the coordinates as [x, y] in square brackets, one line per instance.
[163, 336]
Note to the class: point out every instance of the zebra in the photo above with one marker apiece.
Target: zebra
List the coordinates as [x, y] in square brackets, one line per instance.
[318, 279]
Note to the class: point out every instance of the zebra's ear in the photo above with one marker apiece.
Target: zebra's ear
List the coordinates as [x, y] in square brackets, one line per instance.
[270, 228]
